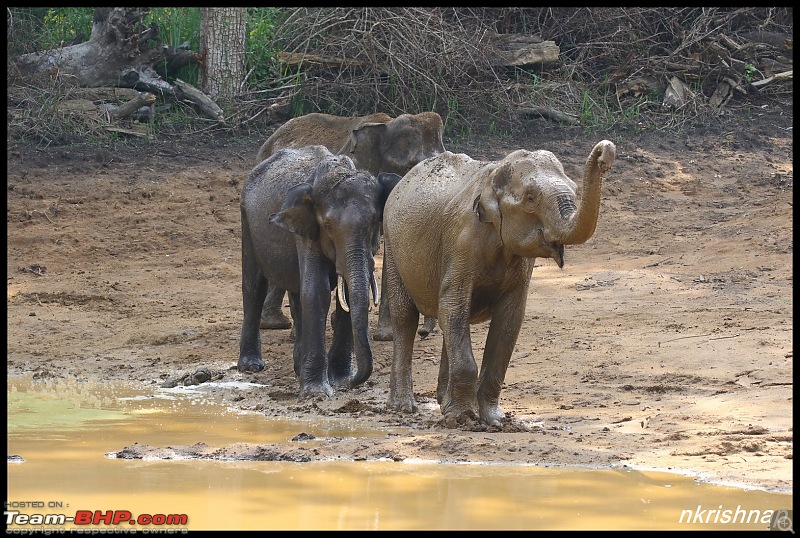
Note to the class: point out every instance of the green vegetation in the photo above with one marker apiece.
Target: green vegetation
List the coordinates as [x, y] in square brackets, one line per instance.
[749, 71]
[386, 59]
[261, 23]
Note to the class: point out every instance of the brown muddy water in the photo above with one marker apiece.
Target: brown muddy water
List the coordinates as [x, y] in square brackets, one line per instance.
[60, 432]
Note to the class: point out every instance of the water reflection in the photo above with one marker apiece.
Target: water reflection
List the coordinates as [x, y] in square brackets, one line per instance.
[62, 430]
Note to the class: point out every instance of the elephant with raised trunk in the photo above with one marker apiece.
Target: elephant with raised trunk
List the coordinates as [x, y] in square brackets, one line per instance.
[461, 237]
[310, 221]
[377, 143]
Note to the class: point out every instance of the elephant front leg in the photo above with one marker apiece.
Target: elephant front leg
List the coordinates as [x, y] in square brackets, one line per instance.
[340, 355]
[315, 300]
[459, 402]
[313, 361]
[503, 332]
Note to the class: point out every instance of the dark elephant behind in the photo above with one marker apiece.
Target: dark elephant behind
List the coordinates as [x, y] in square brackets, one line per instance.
[310, 219]
[377, 143]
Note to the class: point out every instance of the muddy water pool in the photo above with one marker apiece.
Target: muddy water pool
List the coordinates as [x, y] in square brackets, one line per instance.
[60, 432]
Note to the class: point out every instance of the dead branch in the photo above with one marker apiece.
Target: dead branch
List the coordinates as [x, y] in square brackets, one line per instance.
[129, 132]
[786, 75]
[208, 107]
[550, 114]
[142, 99]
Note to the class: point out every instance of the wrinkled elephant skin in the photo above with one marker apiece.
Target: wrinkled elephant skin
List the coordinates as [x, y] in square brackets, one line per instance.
[460, 238]
[310, 220]
[377, 143]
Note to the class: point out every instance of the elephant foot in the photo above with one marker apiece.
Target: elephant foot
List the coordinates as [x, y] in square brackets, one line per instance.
[313, 390]
[457, 419]
[402, 404]
[427, 327]
[492, 415]
[339, 382]
[459, 414]
[250, 365]
[383, 334]
[274, 319]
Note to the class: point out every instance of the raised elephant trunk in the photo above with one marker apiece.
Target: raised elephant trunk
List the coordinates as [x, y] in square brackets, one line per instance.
[581, 223]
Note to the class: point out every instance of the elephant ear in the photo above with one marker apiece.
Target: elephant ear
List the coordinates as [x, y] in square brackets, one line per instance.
[297, 213]
[487, 203]
[363, 145]
[387, 182]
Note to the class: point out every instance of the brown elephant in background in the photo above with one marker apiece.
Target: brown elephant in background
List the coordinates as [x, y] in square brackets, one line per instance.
[460, 239]
[377, 143]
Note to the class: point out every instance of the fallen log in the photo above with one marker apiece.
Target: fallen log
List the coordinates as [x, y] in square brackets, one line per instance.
[786, 75]
[106, 94]
[208, 107]
[121, 51]
[516, 50]
[550, 114]
[129, 132]
[306, 60]
[120, 112]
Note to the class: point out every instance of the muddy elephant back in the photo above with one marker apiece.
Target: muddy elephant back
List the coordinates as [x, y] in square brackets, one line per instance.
[316, 128]
[267, 184]
[435, 179]
[418, 198]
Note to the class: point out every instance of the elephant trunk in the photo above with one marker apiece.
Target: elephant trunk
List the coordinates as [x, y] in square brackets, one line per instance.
[360, 282]
[581, 223]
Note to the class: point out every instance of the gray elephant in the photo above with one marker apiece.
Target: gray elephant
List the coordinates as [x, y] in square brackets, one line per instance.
[461, 237]
[376, 143]
[310, 220]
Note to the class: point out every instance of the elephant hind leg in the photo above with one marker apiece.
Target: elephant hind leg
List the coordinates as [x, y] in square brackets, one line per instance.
[444, 376]
[405, 318]
[383, 331]
[297, 328]
[272, 316]
[254, 290]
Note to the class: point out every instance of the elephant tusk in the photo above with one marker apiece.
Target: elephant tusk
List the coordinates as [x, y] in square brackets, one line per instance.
[340, 294]
[376, 294]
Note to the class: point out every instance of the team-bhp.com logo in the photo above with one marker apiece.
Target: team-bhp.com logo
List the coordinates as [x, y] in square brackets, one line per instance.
[96, 517]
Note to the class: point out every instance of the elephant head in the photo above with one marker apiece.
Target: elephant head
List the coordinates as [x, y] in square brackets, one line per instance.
[531, 200]
[339, 209]
[396, 145]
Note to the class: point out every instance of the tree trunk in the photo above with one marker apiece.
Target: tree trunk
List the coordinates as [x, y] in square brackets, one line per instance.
[120, 52]
[222, 49]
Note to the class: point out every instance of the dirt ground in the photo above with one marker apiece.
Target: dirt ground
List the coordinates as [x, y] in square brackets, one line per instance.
[664, 343]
